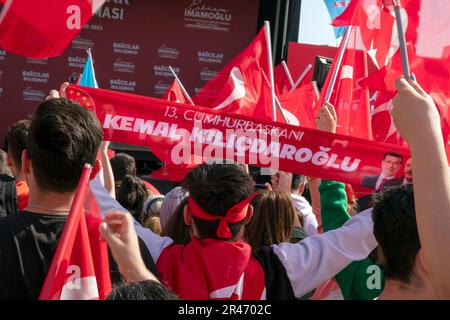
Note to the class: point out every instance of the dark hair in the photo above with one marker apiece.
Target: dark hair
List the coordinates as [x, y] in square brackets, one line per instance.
[122, 165]
[395, 229]
[216, 188]
[141, 290]
[273, 219]
[63, 137]
[297, 180]
[16, 140]
[176, 228]
[393, 154]
[131, 195]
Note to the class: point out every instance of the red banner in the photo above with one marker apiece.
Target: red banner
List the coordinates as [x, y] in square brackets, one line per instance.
[188, 130]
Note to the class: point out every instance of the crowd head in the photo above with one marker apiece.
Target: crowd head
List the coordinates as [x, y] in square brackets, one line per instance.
[62, 138]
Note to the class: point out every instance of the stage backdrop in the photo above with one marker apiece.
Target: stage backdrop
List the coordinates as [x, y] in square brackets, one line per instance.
[133, 43]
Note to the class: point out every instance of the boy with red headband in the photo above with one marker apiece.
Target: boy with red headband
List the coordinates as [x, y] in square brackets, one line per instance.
[216, 264]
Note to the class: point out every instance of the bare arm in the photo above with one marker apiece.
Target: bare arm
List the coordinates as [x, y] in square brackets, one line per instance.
[108, 175]
[417, 120]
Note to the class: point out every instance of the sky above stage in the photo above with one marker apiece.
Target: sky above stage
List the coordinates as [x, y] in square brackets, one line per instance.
[315, 25]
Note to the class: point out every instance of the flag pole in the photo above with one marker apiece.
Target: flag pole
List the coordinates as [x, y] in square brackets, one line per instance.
[181, 86]
[337, 65]
[270, 63]
[89, 52]
[288, 73]
[302, 76]
[402, 40]
[277, 102]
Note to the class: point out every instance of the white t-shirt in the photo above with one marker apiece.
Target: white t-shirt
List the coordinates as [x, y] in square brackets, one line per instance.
[310, 223]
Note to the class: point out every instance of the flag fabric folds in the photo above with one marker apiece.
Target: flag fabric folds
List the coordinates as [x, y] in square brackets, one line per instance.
[350, 100]
[240, 87]
[43, 29]
[88, 77]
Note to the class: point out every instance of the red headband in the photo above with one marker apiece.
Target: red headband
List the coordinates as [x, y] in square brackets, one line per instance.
[235, 214]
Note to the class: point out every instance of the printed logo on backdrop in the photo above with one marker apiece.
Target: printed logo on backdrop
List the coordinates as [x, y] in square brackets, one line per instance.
[123, 66]
[161, 87]
[1, 74]
[112, 12]
[2, 55]
[122, 85]
[35, 76]
[36, 61]
[210, 57]
[164, 71]
[168, 53]
[30, 94]
[126, 48]
[82, 44]
[1, 92]
[200, 15]
[207, 74]
[76, 62]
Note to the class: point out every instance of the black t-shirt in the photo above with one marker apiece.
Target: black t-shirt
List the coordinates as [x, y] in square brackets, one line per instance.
[27, 244]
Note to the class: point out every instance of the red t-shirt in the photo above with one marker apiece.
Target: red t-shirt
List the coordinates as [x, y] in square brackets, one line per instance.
[22, 194]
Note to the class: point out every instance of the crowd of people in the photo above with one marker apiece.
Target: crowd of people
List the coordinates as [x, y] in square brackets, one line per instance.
[215, 236]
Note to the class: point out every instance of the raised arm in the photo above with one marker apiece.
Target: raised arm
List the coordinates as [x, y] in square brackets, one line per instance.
[108, 175]
[418, 121]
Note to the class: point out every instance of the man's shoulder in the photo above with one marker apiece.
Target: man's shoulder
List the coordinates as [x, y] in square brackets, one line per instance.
[11, 222]
[369, 180]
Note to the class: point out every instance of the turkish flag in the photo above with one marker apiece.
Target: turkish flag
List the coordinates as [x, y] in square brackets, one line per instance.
[301, 105]
[175, 93]
[80, 268]
[281, 79]
[43, 29]
[240, 87]
[351, 101]
[173, 171]
[378, 28]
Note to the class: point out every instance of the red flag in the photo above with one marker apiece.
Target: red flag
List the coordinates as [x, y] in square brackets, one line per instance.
[350, 100]
[43, 29]
[239, 87]
[175, 93]
[302, 104]
[282, 82]
[73, 272]
[172, 171]
[378, 28]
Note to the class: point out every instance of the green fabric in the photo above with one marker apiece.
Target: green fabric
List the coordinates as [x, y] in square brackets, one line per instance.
[353, 280]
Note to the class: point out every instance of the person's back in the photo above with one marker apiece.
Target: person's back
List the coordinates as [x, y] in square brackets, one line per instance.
[63, 137]
[215, 258]
[400, 252]
[216, 263]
